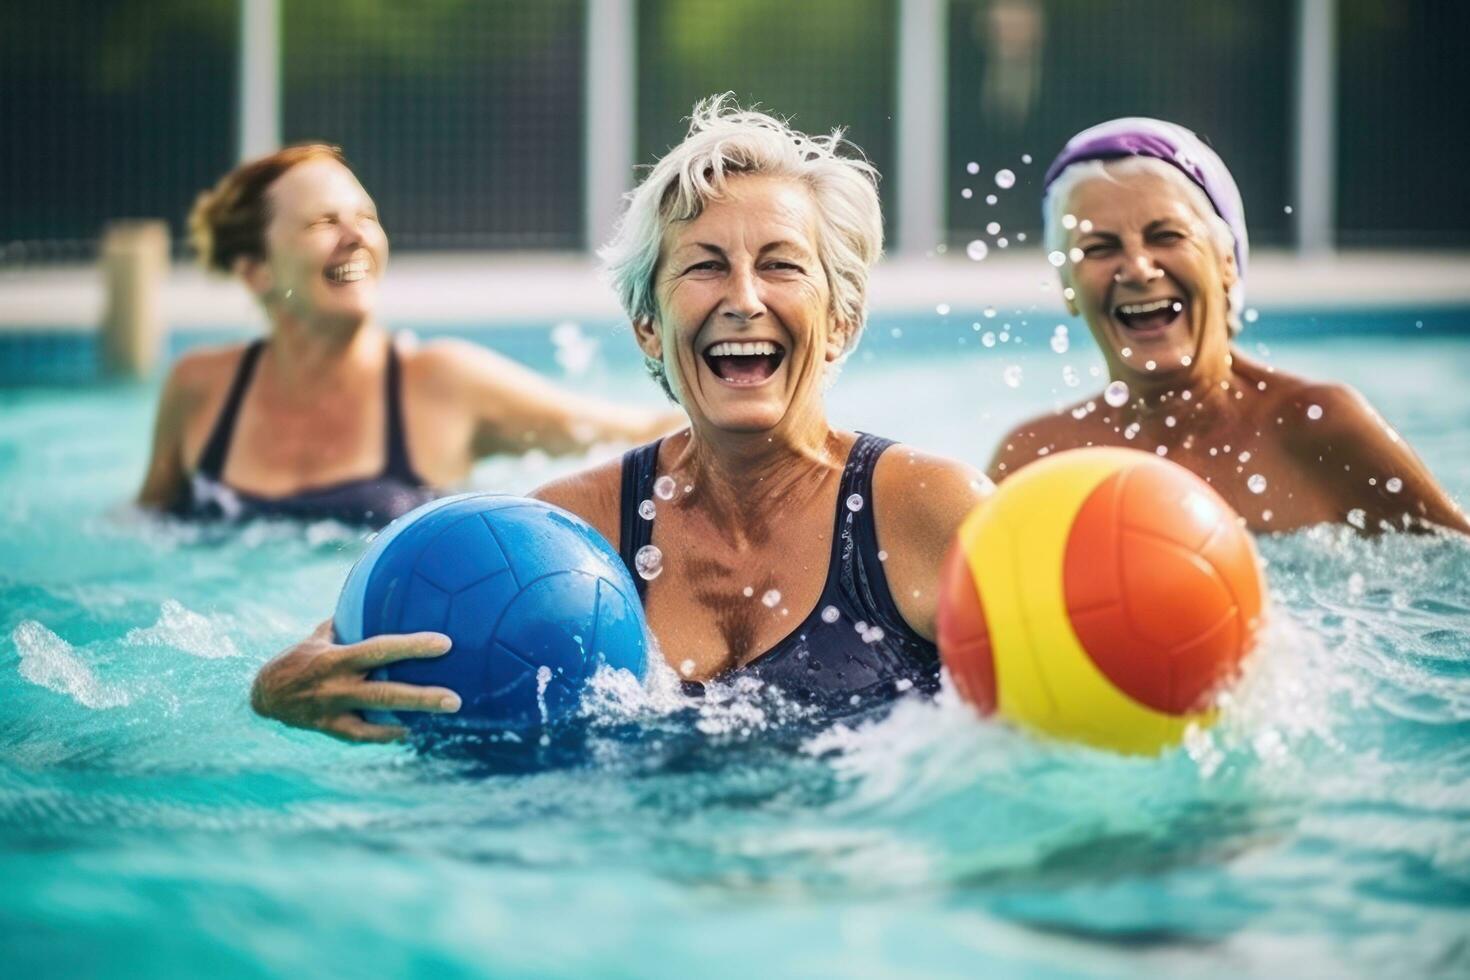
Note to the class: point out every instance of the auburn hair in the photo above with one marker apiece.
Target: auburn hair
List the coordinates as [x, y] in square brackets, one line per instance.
[228, 220]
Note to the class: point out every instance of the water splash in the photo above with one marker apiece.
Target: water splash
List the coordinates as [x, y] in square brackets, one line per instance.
[185, 630]
[50, 662]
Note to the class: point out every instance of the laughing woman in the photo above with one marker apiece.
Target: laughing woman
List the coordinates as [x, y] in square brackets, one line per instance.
[329, 416]
[785, 549]
[1150, 233]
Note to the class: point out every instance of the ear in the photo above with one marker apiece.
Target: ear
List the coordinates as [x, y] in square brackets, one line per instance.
[256, 274]
[650, 341]
[838, 338]
[1229, 274]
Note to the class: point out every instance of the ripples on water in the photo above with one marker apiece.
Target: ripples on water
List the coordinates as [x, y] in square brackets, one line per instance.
[148, 822]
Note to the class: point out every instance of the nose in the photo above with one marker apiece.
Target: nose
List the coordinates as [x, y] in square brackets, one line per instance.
[742, 302]
[1138, 268]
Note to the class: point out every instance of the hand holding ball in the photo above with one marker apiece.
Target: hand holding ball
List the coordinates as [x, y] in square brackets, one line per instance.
[533, 598]
[1101, 595]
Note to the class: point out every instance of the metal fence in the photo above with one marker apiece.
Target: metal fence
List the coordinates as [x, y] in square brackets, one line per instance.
[476, 122]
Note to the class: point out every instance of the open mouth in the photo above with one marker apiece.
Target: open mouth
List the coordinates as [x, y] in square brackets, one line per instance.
[354, 270]
[744, 363]
[1151, 315]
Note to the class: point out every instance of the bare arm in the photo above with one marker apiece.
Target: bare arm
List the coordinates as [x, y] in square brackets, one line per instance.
[516, 409]
[1365, 465]
[921, 502]
[164, 477]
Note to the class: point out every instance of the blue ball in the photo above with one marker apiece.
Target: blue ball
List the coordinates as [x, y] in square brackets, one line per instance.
[534, 599]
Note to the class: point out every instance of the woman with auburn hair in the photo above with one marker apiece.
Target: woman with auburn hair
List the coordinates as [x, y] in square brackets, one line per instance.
[329, 415]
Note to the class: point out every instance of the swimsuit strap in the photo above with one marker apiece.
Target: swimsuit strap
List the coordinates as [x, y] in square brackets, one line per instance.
[639, 468]
[860, 563]
[217, 449]
[399, 466]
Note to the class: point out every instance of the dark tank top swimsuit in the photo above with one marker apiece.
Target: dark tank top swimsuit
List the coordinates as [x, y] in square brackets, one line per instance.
[854, 647]
[371, 501]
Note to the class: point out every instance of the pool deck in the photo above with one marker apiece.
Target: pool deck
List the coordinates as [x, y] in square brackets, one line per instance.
[492, 289]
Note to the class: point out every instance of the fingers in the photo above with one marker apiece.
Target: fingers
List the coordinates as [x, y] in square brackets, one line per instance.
[393, 696]
[350, 727]
[379, 650]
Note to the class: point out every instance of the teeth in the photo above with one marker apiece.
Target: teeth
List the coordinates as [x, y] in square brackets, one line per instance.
[348, 271]
[1139, 309]
[730, 348]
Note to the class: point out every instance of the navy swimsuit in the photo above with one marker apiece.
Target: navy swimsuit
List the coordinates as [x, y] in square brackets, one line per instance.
[372, 501]
[854, 647]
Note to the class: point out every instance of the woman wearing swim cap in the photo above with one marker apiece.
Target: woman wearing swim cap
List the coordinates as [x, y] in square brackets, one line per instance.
[330, 416]
[787, 550]
[1152, 236]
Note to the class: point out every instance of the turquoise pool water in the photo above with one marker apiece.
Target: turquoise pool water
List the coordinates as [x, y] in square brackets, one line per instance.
[149, 824]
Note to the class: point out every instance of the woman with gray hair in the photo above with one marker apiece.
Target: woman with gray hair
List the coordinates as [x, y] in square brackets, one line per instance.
[764, 540]
[1147, 231]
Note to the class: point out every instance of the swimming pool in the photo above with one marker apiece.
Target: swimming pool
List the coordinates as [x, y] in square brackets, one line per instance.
[150, 824]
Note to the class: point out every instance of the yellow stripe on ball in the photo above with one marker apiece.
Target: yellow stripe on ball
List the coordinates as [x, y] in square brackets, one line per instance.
[1026, 526]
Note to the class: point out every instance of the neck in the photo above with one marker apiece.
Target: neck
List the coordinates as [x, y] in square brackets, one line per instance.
[742, 480]
[305, 353]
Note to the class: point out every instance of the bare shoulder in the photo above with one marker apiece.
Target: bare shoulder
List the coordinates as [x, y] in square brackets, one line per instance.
[922, 498]
[204, 369]
[592, 494]
[449, 360]
[1032, 439]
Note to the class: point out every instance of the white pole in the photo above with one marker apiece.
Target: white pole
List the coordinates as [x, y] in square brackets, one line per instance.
[1316, 126]
[611, 116]
[260, 77]
[922, 108]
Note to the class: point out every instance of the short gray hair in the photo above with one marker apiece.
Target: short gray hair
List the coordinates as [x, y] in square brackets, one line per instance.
[723, 141]
[1060, 192]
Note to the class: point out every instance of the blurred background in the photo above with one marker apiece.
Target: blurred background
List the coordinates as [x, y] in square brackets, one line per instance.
[498, 128]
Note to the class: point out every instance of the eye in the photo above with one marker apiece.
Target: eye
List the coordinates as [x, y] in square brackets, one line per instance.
[783, 265]
[321, 222]
[1097, 249]
[1167, 236]
[369, 216]
[708, 265]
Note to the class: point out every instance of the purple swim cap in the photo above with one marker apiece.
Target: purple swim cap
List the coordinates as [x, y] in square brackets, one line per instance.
[1139, 136]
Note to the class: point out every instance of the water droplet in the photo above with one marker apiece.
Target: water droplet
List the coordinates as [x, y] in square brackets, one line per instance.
[1162, 450]
[977, 250]
[1060, 342]
[1357, 518]
[1020, 236]
[1256, 483]
[1245, 456]
[942, 309]
[1069, 221]
[1069, 376]
[989, 312]
[966, 193]
[1251, 316]
[972, 167]
[1116, 394]
[1001, 242]
[1131, 430]
[991, 199]
[1057, 259]
[988, 338]
[1149, 365]
[1186, 360]
[1314, 412]
[1005, 179]
[993, 228]
[663, 488]
[855, 502]
[1287, 209]
[1069, 293]
[872, 634]
[649, 562]
[646, 510]
[1170, 421]
[748, 591]
[1393, 485]
[1012, 376]
[686, 668]
[771, 598]
[1084, 226]
[882, 555]
[1266, 515]
[830, 614]
[1025, 158]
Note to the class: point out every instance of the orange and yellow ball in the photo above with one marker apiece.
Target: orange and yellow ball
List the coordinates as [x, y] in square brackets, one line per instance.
[1100, 595]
